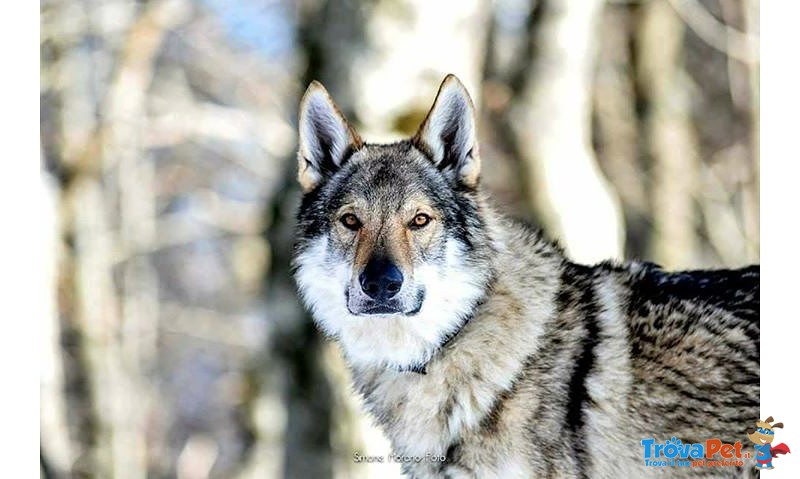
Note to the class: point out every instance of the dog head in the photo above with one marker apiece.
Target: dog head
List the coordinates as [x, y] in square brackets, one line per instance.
[392, 250]
[764, 432]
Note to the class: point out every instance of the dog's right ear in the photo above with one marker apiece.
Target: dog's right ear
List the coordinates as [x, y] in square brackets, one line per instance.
[326, 138]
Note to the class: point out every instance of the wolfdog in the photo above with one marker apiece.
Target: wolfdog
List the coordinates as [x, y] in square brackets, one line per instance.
[480, 349]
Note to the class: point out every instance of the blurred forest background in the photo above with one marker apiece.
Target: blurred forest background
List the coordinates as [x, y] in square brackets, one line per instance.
[176, 347]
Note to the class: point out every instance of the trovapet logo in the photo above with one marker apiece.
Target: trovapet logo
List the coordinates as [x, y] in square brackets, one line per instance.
[711, 453]
[714, 452]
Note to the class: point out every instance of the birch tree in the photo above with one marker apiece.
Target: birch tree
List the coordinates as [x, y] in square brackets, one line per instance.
[552, 124]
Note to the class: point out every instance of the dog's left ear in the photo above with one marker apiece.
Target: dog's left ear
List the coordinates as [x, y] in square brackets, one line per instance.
[448, 133]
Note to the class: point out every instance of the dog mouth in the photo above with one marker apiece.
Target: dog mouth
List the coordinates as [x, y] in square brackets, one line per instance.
[387, 308]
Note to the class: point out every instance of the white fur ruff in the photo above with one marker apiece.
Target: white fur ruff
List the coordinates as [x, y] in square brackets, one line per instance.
[451, 290]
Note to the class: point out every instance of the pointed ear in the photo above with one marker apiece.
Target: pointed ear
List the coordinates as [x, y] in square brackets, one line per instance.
[448, 133]
[326, 138]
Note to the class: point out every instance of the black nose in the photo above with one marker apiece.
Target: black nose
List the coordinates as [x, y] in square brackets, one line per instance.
[381, 279]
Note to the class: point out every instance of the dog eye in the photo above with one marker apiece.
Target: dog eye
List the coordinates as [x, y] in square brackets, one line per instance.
[420, 221]
[351, 222]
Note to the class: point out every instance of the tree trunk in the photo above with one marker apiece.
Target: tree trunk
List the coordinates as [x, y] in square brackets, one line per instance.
[552, 126]
[673, 144]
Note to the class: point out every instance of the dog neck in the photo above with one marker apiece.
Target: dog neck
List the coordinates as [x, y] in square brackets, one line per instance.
[422, 368]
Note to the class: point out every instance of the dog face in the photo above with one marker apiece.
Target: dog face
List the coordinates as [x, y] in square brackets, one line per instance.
[391, 256]
[764, 432]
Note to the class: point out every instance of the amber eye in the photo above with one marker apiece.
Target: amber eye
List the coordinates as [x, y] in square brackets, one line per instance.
[350, 221]
[420, 221]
